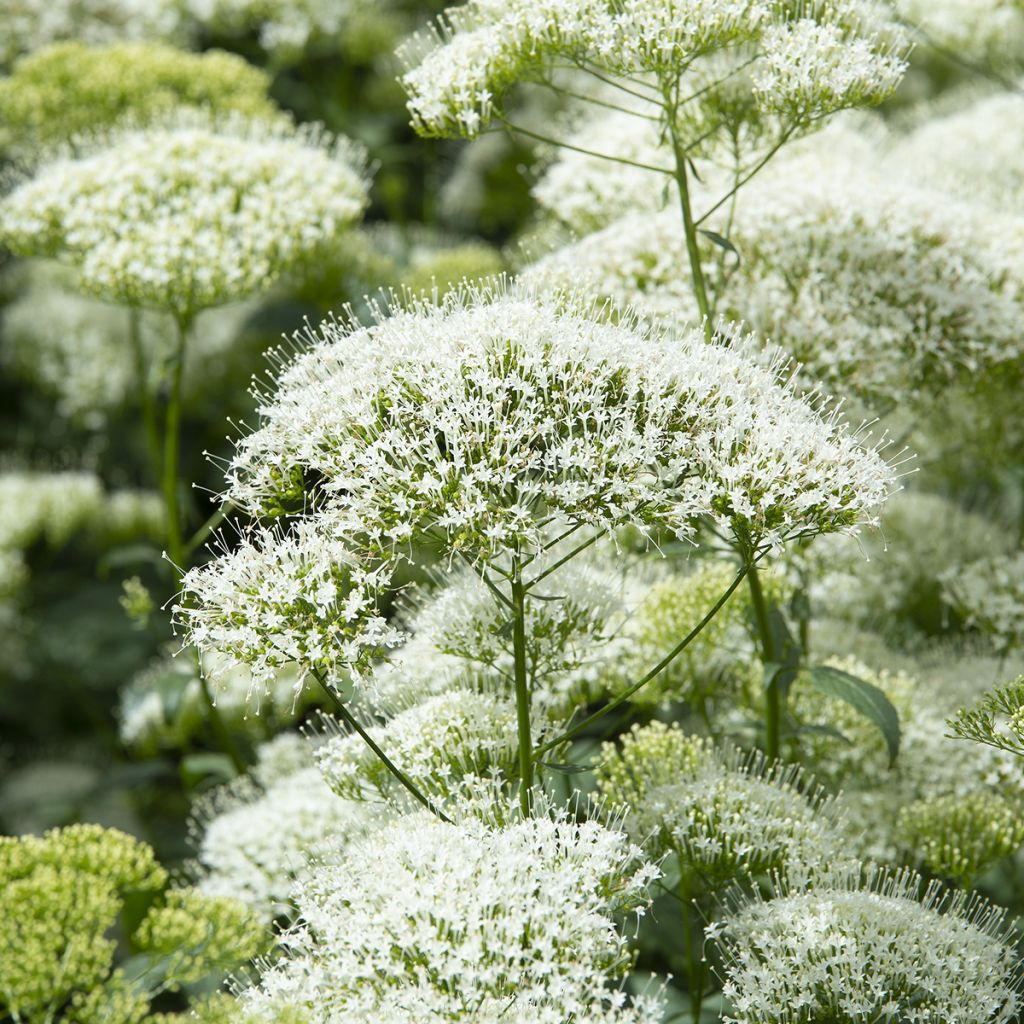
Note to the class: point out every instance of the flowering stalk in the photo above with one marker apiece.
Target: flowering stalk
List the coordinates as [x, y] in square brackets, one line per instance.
[773, 695]
[172, 443]
[351, 720]
[148, 412]
[689, 227]
[663, 664]
[522, 687]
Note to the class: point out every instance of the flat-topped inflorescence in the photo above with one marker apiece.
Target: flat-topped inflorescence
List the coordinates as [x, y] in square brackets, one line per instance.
[812, 59]
[722, 814]
[426, 921]
[854, 952]
[256, 835]
[195, 213]
[282, 598]
[478, 421]
[68, 89]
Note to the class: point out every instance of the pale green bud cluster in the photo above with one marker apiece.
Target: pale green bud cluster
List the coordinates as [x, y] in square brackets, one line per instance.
[60, 896]
[69, 88]
[195, 934]
[961, 837]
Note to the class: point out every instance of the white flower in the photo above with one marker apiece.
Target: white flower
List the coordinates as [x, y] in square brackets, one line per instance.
[482, 418]
[281, 599]
[813, 69]
[284, 29]
[435, 743]
[889, 581]
[425, 921]
[256, 836]
[878, 288]
[195, 214]
[722, 814]
[837, 55]
[857, 954]
[976, 30]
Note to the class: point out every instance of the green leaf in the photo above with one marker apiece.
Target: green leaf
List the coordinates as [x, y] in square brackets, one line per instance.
[864, 698]
[783, 672]
[565, 769]
[196, 768]
[721, 241]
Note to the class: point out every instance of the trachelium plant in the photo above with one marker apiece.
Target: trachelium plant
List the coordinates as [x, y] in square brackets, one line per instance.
[496, 426]
[730, 81]
[179, 214]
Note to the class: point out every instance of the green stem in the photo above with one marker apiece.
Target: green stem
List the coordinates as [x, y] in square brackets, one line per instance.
[172, 444]
[772, 693]
[149, 423]
[207, 528]
[353, 722]
[663, 664]
[700, 290]
[522, 689]
[694, 967]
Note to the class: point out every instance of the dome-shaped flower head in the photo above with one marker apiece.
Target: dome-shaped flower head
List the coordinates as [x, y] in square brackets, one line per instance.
[436, 743]
[721, 814]
[854, 953]
[69, 88]
[279, 599]
[480, 420]
[190, 215]
[430, 922]
[812, 58]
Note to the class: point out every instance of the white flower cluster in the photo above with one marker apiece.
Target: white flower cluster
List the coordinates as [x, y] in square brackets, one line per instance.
[878, 288]
[194, 214]
[481, 418]
[256, 836]
[53, 507]
[46, 506]
[283, 599]
[812, 68]
[425, 921]
[817, 58]
[889, 581]
[723, 815]
[28, 25]
[989, 594]
[854, 953]
[435, 743]
[78, 349]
